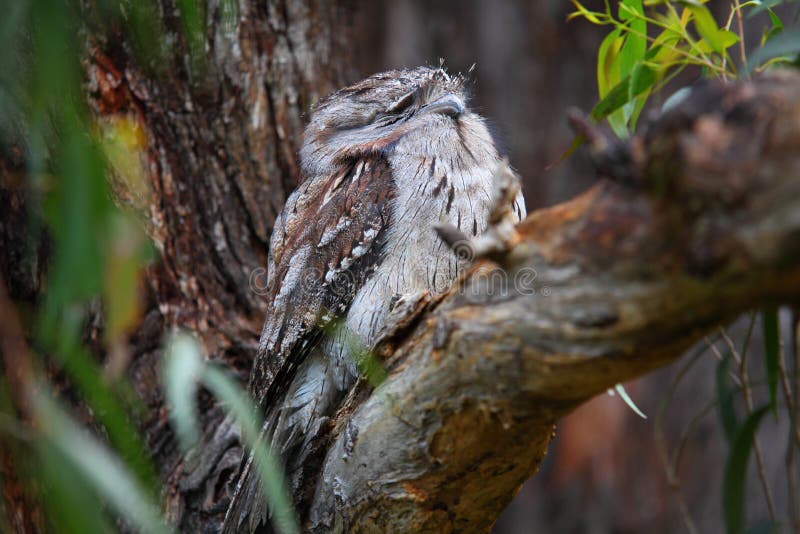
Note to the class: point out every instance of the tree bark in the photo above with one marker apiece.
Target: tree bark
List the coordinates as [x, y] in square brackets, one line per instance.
[220, 159]
[701, 224]
[697, 221]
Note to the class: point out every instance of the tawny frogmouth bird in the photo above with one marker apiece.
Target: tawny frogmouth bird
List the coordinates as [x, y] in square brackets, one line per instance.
[382, 162]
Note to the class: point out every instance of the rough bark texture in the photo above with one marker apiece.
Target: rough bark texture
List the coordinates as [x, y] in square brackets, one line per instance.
[220, 161]
[628, 275]
[698, 222]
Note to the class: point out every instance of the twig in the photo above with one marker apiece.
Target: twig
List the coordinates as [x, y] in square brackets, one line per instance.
[748, 397]
[740, 24]
[661, 443]
[718, 355]
[693, 422]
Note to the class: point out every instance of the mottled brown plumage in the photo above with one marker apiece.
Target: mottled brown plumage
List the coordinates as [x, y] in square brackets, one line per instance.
[384, 160]
[327, 238]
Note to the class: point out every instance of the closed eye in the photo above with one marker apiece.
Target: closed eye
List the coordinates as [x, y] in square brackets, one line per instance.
[402, 103]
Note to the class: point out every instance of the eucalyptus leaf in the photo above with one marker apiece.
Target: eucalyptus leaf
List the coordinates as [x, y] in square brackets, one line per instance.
[70, 500]
[98, 466]
[624, 91]
[273, 482]
[771, 332]
[767, 4]
[736, 472]
[707, 27]
[182, 369]
[786, 43]
[620, 389]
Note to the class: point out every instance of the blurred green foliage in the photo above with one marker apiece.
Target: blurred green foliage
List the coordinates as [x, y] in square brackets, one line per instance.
[649, 43]
[652, 41]
[43, 109]
[99, 251]
[184, 371]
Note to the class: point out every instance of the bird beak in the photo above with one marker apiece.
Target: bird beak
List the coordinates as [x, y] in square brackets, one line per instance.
[449, 104]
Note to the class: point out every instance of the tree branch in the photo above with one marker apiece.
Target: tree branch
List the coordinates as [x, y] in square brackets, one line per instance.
[699, 221]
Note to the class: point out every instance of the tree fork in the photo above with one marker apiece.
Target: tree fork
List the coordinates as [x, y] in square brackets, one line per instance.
[698, 221]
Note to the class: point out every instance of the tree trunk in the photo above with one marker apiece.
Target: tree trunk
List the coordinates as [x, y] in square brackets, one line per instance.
[222, 158]
[697, 221]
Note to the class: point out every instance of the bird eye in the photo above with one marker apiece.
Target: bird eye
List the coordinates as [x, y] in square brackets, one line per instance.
[402, 103]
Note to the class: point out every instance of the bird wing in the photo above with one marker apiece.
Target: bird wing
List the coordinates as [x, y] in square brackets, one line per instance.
[323, 247]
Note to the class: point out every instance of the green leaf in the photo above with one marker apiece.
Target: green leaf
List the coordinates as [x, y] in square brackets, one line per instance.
[606, 59]
[98, 466]
[736, 472]
[182, 369]
[576, 143]
[771, 331]
[609, 75]
[776, 29]
[635, 47]
[620, 389]
[608, 109]
[776, 20]
[624, 91]
[707, 27]
[615, 99]
[71, 503]
[783, 44]
[106, 406]
[725, 398]
[642, 79]
[273, 482]
[728, 38]
[766, 4]
[78, 209]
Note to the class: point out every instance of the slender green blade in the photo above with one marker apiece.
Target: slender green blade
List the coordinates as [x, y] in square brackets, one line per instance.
[736, 472]
[620, 389]
[98, 466]
[182, 369]
[771, 352]
[273, 482]
[785, 44]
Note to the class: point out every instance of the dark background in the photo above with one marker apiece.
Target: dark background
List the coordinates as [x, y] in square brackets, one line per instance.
[603, 472]
[531, 66]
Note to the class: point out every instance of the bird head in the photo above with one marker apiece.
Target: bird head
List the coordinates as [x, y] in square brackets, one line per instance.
[373, 115]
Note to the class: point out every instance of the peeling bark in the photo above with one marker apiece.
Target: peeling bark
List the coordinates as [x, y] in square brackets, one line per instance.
[627, 276]
[220, 159]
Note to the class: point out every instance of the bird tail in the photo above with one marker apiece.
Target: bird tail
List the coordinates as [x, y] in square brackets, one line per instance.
[295, 429]
[247, 510]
